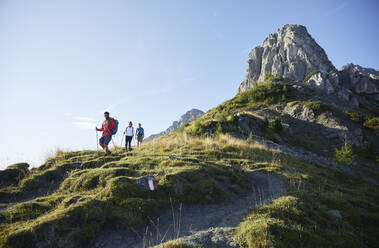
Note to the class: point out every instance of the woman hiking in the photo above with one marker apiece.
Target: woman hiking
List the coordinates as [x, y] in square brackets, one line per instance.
[129, 133]
[107, 127]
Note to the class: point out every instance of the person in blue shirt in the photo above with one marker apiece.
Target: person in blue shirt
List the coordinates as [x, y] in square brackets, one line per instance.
[140, 134]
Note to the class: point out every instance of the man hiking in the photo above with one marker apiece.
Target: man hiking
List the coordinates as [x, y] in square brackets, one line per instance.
[140, 134]
[107, 127]
[129, 133]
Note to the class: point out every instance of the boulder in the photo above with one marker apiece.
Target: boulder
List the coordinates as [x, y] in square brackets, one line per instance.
[335, 213]
[300, 111]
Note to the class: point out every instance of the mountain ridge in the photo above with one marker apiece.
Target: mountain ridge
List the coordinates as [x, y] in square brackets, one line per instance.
[185, 118]
[294, 55]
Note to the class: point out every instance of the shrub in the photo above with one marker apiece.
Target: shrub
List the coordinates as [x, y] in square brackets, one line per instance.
[268, 76]
[222, 116]
[345, 155]
[318, 107]
[250, 138]
[219, 129]
[264, 93]
[277, 124]
[197, 128]
[310, 75]
[372, 123]
[265, 122]
[356, 117]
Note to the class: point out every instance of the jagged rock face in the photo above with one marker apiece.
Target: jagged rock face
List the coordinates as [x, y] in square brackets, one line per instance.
[187, 117]
[291, 52]
[361, 84]
[295, 55]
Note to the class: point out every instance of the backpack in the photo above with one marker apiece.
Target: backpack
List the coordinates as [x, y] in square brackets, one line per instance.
[114, 131]
[140, 131]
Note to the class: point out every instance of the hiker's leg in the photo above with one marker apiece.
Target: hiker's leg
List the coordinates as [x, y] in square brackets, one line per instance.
[130, 143]
[126, 143]
[101, 142]
[107, 140]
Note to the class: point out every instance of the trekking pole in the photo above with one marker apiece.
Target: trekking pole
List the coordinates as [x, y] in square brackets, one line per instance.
[122, 139]
[114, 145]
[97, 141]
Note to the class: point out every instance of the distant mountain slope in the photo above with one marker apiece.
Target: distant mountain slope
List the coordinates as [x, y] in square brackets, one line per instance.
[187, 117]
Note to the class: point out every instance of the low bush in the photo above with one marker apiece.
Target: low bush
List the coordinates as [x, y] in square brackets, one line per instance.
[345, 155]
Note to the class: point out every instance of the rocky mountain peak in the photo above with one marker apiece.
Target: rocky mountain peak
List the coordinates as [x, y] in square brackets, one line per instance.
[291, 52]
[185, 118]
[190, 115]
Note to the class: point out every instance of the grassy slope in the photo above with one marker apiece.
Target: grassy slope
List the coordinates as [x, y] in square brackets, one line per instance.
[85, 190]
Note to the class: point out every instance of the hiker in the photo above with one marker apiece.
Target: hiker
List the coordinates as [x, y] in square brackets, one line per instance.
[140, 134]
[129, 133]
[107, 127]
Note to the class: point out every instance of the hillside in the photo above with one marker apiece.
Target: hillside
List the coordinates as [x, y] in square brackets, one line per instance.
[290, 161]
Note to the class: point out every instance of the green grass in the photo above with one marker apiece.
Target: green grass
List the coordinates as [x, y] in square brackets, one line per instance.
[372, 123]
[265, 93]
[367, 121]
[176, 244]
[316, 106]
[355, 116]
[81, 191]
[301, 218]
[88, 198]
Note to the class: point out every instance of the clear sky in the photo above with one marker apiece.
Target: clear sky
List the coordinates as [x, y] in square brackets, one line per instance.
[63, 63]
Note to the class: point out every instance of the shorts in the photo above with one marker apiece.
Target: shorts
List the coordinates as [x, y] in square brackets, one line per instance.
[105, 140]
[139, 138]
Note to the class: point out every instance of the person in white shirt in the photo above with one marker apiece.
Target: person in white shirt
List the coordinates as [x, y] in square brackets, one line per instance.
[129, 133]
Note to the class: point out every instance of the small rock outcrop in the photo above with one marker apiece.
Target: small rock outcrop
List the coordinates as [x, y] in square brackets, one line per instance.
[300, 111]
[187, 117]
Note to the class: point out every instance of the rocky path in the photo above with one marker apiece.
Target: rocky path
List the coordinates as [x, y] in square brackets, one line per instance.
[207, 225]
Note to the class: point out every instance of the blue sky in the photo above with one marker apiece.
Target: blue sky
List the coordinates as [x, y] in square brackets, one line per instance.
[63, 63]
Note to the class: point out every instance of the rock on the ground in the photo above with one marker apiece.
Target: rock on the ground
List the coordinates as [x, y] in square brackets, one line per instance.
[335, 213]
[300, 111]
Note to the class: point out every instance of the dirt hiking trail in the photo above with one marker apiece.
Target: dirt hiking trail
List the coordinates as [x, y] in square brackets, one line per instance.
[207, 225]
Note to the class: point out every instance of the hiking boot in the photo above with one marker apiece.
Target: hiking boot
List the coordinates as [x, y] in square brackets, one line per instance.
[108, 153]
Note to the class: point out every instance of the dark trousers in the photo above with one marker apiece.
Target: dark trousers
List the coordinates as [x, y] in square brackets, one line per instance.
[128, 141]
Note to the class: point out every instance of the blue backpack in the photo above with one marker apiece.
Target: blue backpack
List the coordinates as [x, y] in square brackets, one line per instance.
[114, 131]
[140, 131]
